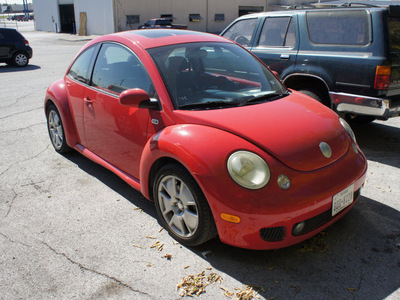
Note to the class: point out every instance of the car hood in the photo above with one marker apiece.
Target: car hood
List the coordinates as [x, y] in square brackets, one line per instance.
[290, 129]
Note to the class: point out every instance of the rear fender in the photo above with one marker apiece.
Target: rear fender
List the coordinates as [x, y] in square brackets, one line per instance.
[56, 94]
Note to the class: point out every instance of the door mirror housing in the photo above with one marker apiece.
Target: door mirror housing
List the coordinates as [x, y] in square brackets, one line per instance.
[137, 98]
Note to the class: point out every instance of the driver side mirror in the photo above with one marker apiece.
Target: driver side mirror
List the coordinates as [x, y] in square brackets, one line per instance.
[137, 98]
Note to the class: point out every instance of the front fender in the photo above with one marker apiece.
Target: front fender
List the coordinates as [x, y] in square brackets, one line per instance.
[202, 150]
[56, 94]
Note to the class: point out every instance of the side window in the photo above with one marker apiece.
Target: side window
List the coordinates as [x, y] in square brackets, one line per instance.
[118, 69]
[80, 68]
[242, 31]
[339, 27]
[290, 40]
[278, 32]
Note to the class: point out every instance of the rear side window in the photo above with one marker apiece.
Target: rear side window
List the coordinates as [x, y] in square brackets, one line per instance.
[339, 27]
[242, 31]
[278, 32]
[80, 68]
[118, 69]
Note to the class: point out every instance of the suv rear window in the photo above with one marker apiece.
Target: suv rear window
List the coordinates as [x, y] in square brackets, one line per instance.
[339, 27]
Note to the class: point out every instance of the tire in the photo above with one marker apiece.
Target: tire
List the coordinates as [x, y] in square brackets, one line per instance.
[56, 130]
[20, 59]
[315, 95]
[181, 206]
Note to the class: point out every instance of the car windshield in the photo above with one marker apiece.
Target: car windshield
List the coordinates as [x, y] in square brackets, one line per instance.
[214, 75]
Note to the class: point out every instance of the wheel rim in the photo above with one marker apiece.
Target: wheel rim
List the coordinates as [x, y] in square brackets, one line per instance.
[21, 60]
[56, 130]
[178, 206]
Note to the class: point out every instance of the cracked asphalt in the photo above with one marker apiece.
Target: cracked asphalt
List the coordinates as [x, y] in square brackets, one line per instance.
[70, 229]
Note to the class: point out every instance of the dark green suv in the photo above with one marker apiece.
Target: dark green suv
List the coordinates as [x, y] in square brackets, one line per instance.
[346, 57]
[14, 48]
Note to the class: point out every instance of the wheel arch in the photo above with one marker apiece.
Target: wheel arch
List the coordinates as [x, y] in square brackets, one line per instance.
[197, 148]
[155, 168]
[57, 95]
[299, 81]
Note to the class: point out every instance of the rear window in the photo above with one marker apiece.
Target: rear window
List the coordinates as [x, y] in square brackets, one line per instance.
[339, 27]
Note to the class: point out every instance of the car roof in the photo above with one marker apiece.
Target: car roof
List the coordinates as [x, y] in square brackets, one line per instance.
[9, 29]
[152, 38]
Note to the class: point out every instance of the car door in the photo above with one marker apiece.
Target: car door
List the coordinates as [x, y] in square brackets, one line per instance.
[6, 44]
[77, 80]
[115, 132]
[277, 44]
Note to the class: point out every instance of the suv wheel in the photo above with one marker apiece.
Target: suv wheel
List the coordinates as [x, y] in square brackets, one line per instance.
[312, 94]
[20, 59]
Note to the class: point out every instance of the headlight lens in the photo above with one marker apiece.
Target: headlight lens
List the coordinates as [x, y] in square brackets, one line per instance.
[248, 170]
[347, 127]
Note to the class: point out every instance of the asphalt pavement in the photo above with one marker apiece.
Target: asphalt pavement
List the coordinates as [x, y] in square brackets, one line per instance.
[70, 229]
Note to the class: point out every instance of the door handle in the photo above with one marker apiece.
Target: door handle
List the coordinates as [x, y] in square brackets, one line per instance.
[285, 56]
[88, 101]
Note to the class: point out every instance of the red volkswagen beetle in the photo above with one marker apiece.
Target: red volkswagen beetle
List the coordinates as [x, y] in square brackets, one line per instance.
[205, 130]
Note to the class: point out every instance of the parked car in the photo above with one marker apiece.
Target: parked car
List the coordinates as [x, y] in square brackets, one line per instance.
[202, 128]
[14, 48]
[161, 23]
[345, 57]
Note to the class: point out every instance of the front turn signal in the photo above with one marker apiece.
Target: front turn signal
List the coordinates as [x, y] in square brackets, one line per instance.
[230, 218]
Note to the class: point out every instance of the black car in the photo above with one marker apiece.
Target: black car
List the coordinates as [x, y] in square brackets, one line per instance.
[14, 48]
[346, 57]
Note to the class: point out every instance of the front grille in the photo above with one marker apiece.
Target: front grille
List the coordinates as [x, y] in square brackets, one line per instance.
[273, 234]
[321, 219]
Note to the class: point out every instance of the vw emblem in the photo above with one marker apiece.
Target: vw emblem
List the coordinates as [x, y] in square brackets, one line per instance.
[325, 149]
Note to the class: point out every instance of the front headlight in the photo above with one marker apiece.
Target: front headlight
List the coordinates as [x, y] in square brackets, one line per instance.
[347, 127]
[248, 170]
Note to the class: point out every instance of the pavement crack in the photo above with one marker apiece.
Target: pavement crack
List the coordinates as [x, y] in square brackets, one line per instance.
[19, 113]
[17, 100]
[11, 203]
[26, 159]
[23, 128]
[81, 266]
[13, 241]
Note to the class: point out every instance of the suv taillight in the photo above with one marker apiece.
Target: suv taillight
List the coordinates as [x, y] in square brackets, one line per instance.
[382, 77]
[26, 43]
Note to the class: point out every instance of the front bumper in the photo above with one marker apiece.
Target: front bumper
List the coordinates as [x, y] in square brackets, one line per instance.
[364, 105]
[269, 215]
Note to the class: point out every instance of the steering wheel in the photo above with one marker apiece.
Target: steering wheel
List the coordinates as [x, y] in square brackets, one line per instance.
[242, 40]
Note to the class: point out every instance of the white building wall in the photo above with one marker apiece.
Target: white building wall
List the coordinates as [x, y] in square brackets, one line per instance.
[107, 16]
[181, 9]
[99, 13]
[47, 16]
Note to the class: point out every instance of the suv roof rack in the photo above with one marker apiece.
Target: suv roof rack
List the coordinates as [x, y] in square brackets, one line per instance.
[350, 4]
[330, 5]
[303, 6]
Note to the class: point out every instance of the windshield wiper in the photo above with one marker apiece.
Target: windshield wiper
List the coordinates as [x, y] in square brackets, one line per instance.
[270, 97]
[208, 104]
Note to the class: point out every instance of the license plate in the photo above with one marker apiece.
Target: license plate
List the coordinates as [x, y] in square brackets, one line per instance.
[342, 199]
